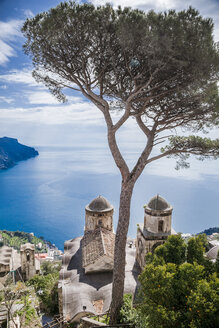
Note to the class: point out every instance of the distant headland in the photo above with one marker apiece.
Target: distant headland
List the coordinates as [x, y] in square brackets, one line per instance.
[11, 152]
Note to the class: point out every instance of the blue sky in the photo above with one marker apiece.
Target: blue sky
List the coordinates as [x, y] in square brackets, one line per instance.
[30, 113]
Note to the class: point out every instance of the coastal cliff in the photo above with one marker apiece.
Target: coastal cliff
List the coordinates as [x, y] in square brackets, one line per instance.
[11, 152]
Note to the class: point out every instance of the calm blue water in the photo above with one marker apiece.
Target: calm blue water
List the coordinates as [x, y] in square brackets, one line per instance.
[47, 194]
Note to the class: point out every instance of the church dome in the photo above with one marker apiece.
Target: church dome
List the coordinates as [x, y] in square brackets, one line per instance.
[158, 203]
[99, 204]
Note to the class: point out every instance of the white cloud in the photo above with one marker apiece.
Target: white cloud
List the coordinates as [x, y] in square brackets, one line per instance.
[76, 112]
[23, 76]
[43, 97]
[46, 98]
[9, 31]
[28, 13]
[3, 87]
[6, 52]
[144, 4]
[6, 99]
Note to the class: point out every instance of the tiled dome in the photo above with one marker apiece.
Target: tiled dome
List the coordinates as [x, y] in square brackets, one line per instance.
[158, 203]
[99, 204]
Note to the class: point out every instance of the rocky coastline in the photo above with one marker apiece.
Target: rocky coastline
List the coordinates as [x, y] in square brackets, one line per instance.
[11, 152]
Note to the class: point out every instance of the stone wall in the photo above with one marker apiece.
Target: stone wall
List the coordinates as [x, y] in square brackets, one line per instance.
[144, 246]
[94, 220]
[154, 223]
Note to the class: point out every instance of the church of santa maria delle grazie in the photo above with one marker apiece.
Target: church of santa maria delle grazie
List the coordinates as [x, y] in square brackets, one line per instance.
[85, 282]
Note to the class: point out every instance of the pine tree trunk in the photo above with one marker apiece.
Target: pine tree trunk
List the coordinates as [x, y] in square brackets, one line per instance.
[120, 253]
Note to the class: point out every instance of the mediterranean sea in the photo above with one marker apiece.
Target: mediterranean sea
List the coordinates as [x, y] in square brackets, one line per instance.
[47, 194]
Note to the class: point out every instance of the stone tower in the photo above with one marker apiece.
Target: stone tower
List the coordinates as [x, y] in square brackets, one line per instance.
[158, 216]
[99, 213]
[99, 239]
[156, 228]
[28, 266]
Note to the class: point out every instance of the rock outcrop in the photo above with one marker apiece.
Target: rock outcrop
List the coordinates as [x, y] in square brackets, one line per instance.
[11, 152]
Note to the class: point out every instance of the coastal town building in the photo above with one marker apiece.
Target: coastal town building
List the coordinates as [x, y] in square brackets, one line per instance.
[22, 265]
[9, 260]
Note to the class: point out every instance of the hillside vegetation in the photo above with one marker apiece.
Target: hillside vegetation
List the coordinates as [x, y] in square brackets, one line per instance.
[17, 238]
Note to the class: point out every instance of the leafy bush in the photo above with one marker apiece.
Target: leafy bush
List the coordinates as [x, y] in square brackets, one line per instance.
[129, 315]
[46, 287]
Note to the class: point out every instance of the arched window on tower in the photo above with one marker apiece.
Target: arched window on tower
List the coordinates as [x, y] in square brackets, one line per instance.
[160, 226]
[28, 257]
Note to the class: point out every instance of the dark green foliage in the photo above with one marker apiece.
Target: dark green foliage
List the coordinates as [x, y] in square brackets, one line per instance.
[203, 304]
[127, 312]
[205, 147]
[217, 264]
[179, 296]
[196, 248]
[168, 58]
[173, 250]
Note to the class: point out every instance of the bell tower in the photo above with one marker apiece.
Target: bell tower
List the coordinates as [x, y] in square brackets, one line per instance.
[28, 266]
[99, 213]
[156, 228]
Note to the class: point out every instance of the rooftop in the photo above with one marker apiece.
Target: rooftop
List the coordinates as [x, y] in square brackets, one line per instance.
[96, 244]
[158, 203]
[80, 290]
[99, 204]
[212, 253]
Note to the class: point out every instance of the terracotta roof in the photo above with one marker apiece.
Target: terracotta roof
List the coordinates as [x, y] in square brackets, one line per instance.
[41, 255]
[97, 243]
